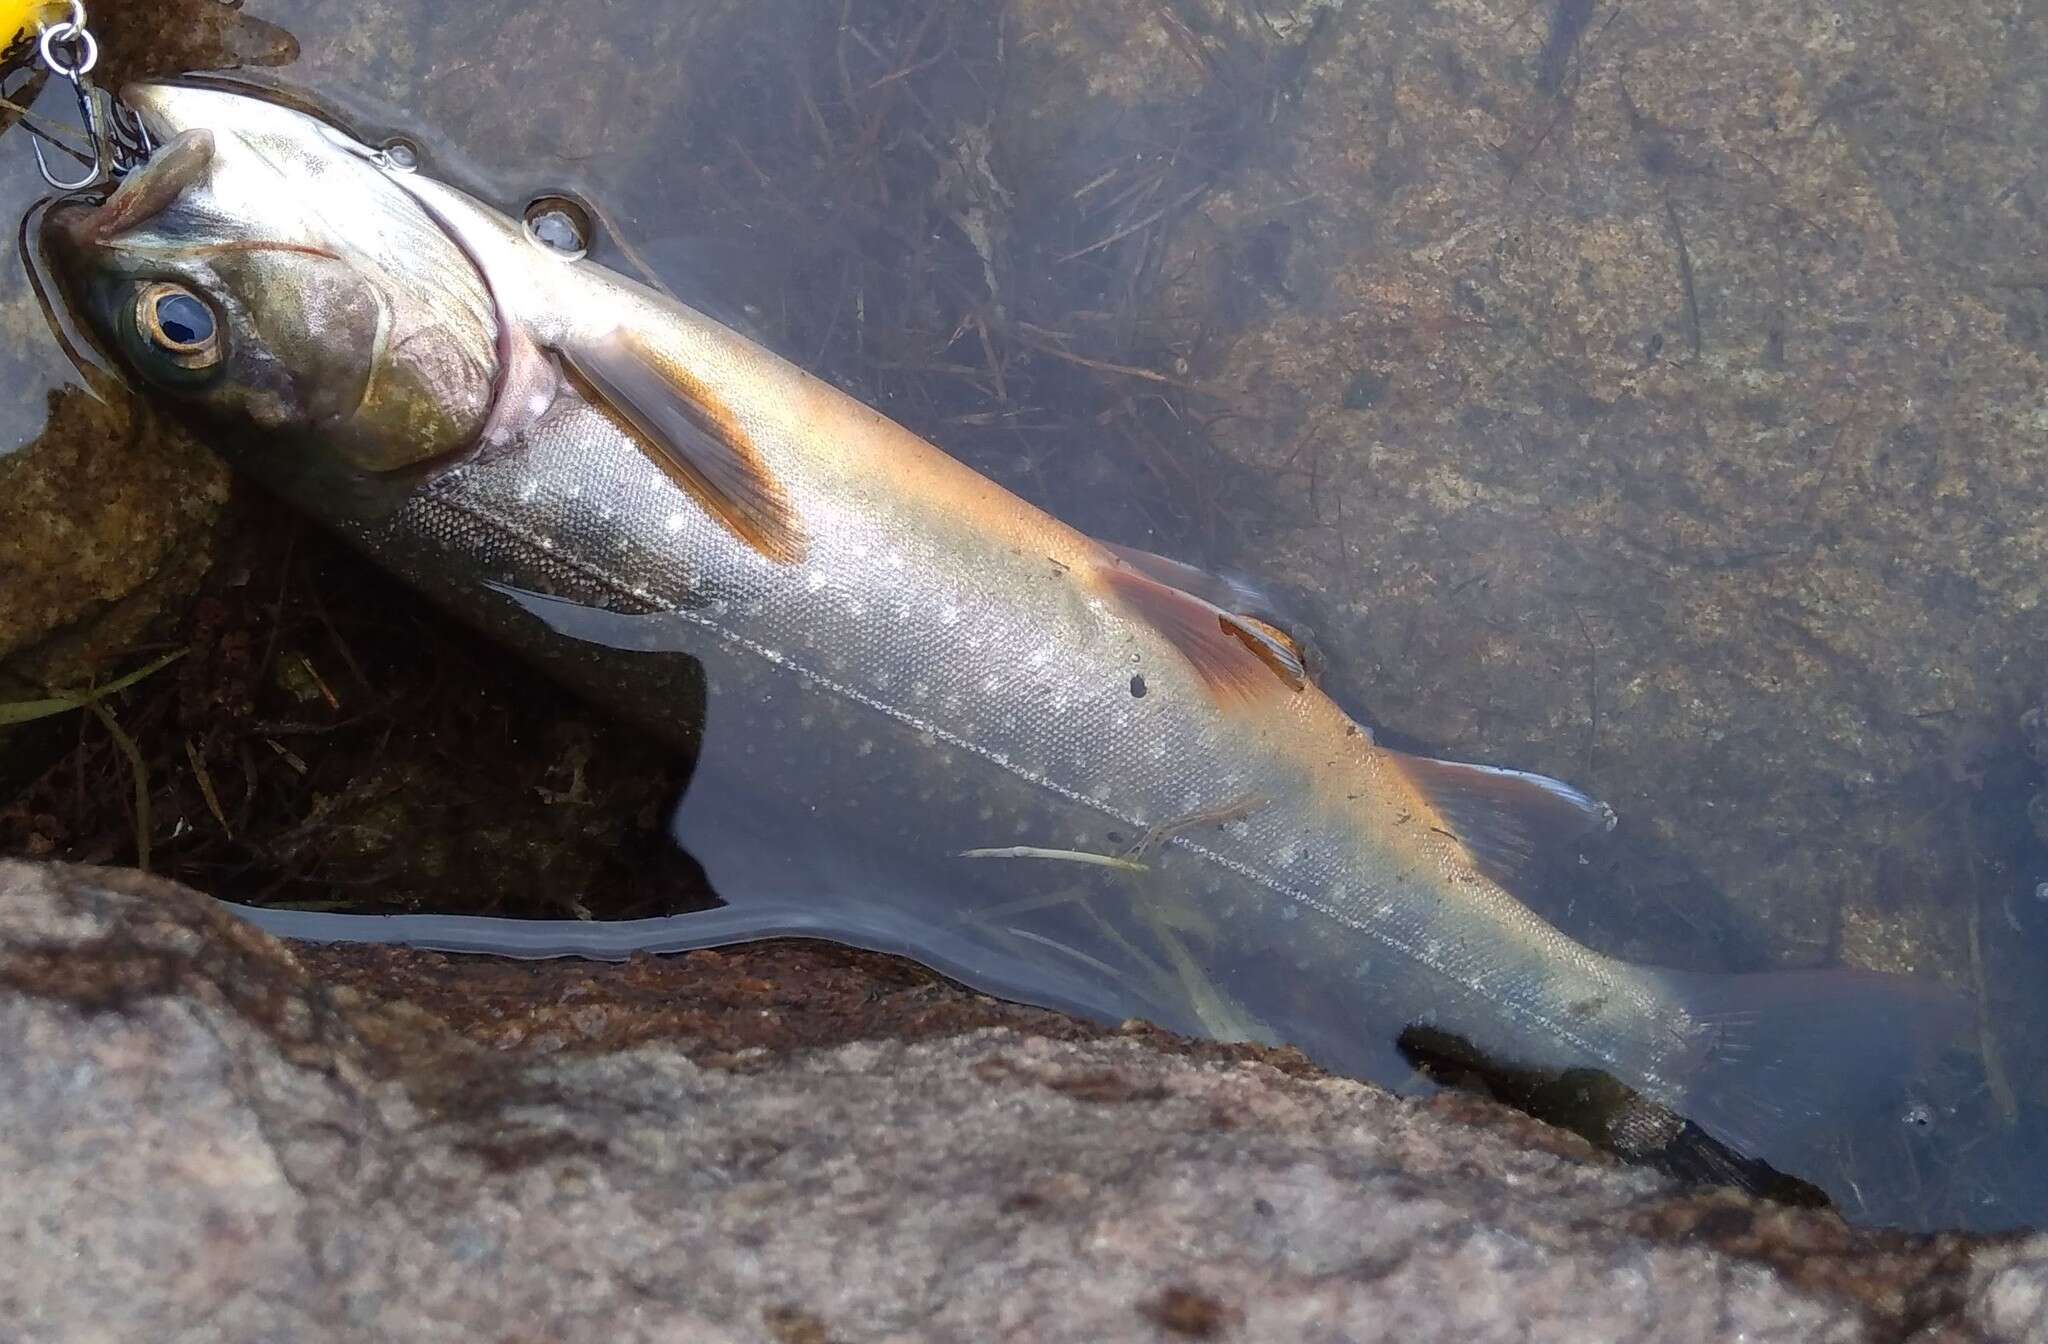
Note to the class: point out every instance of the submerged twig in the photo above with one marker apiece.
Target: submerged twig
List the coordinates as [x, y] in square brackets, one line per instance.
[1987, 1040]
[138, 769]
[1235, 810]
[38, 126]
[24, 711]
[1134, 227]
[1066, 855]
[206, 791]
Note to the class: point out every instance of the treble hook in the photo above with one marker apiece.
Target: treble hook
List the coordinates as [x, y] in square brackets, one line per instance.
[118, 142]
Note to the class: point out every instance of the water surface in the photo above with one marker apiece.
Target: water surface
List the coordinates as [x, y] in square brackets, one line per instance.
[1653, 399]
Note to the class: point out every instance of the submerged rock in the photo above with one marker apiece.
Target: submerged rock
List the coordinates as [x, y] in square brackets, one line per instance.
[1643, 397]
[1649, 399]
[106, 522]
[205, 1134]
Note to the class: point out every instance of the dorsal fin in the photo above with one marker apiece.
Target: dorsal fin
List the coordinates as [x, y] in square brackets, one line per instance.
[1238, 596]
[1235, 658]
[1502, 817]
[691, 435]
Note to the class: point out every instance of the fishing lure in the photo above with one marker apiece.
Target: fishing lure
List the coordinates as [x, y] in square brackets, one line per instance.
[21, 23]
[115, 141]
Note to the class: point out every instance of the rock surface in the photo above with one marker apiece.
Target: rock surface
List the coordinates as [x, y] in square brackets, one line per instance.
[206, 1135]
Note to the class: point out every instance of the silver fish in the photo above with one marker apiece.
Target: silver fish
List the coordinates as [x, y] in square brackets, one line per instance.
[927, 716]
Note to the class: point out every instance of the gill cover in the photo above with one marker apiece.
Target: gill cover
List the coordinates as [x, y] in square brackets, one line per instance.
[270, 279]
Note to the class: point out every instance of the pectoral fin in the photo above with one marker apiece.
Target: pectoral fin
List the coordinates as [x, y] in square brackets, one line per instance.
[693, 436]
[1501, 817]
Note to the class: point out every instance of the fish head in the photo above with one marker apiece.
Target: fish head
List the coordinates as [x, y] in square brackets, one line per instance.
[268, 275]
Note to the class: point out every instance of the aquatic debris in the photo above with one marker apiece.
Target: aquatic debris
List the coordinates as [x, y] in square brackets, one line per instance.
[1065, 855]
[25, 711]
[93, 701]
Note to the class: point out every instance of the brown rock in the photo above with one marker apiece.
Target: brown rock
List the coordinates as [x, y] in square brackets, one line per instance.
[251, 1151]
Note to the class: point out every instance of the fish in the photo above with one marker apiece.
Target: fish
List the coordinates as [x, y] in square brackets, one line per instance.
[924, 715]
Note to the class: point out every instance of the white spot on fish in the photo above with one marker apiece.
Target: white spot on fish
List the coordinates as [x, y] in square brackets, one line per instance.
[816, 581]
[675, 523]
[854, 608]
[865, 747]
[528, 487]
[895, 559]
[948, 614]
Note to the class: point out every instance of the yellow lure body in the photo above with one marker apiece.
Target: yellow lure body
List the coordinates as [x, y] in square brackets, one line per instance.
[20, 22]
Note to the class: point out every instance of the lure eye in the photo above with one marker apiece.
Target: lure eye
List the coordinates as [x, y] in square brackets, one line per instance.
[178, 328]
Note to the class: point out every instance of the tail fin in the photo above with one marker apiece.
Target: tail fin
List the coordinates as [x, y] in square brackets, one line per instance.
[1782, 1054]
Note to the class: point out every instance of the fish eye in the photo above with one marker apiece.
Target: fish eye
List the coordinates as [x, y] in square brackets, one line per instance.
[176, 331]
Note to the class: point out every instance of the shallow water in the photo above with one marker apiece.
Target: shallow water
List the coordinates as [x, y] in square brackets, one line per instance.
[1653, 399]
